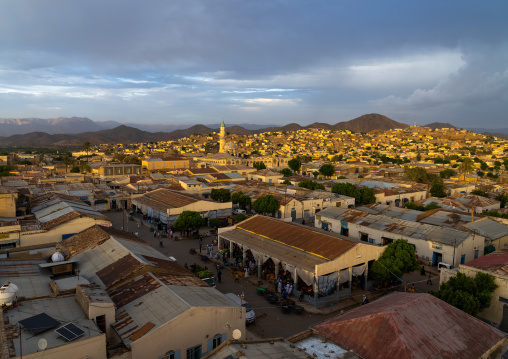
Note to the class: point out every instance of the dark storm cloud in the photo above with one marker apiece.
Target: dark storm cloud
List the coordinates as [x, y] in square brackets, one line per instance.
[272, 61]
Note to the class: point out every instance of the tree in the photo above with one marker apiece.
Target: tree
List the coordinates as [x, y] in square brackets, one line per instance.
[447, 173]
[367, 196]
[287, 182]
[259, 165]
[398, 258]
[438, 189]
[220, 195]
[479, 192]
[242, 199]
[286, 172]
[189, 219]
[345, 189]
[295, 165]
[266, 204]
[214, 222]
[240, 217]
[75, 169]
[468, 294]
[362, 196]
[327, 170]
[68, 161]
[337, 158]
[311, 185]
[87, 148]
[503, 198]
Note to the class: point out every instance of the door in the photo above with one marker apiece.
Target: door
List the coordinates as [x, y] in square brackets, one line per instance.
[436, 258]
[324, 226]
[463, 259]
[293, 214]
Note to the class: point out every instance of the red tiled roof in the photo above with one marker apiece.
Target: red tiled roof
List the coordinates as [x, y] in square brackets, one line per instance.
[409, 325]
[496, 262]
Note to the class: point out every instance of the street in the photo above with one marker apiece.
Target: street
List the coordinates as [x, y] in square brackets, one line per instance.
[270, 322]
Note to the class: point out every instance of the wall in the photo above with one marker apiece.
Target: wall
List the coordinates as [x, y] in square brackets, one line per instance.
[55, 234]
[8, 204]
[193, 327]
[92, 348]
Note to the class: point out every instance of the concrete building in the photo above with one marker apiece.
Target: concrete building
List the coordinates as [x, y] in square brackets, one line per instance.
[8, 198]
[166, 205]
[495, 264]
[118, 170]
[57, 217]
[327, 265]
[432, 243]
[166, 163]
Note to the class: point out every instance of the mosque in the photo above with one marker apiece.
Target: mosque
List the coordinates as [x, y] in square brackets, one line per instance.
[228, 155]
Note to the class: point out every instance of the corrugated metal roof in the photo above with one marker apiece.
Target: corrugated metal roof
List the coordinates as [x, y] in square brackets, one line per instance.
[409, 325]
[415, 230]
[306, 239]
[488, 228]
[496, 262]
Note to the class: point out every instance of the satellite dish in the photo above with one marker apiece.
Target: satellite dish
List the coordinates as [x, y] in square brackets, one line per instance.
[57, 257]
[42, 344]
[237, 334]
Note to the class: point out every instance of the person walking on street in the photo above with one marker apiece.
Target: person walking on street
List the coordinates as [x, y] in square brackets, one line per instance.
[219, 276]
[160, 241]
[429, 280]
[237, 279]
[423, 270]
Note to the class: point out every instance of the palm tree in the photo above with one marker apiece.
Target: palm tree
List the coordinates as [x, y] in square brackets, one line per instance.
[67, 161]
[87, 147]
[466, 166]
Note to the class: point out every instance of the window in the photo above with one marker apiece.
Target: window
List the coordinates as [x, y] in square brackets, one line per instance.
[194, 352]
[171, 355]
[364, 237]
[216, 341]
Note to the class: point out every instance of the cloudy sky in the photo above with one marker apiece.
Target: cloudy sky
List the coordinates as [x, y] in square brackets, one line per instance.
[264, 62]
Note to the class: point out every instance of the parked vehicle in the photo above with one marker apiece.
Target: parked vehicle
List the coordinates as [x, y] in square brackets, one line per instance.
[443, 265]
[250, 316]
[239, 211]
[210, 281]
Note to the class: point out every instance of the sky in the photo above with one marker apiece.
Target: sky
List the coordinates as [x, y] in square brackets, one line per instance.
[261, 62]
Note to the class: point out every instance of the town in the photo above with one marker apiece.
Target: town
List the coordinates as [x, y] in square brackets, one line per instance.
[307, 243]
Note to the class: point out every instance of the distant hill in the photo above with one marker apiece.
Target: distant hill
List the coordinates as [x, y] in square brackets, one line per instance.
[370, 122]
[14, 126]
[439, 125]
[128, 134]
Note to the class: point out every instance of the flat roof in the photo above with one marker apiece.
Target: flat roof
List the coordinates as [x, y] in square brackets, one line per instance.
[63, 309]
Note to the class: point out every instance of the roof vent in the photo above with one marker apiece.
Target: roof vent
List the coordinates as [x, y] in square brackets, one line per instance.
[57, 257]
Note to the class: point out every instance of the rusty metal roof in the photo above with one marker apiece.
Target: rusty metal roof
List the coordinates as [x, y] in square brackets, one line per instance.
[119, 270]
[409, 325]
[496, 262]
[307, 239]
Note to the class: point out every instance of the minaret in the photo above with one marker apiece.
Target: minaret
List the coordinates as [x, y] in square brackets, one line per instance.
[222, 137]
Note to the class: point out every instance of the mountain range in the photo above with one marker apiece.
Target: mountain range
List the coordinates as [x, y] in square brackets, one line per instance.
[74, 131]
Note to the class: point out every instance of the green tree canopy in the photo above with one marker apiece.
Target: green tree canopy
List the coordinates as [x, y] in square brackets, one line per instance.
[286, 172]
[87, 147]
[398, 258]
[438, 188]
[295, 164]
[220, 195]
[466, 293]
[75, 169]
[503, 198]
[327, 170]
[287, 182]
[447, 173]
[259, 165]
[266, 204]
[480, 192]
[362, 196]
[311, 185]
[240, 217]
[242, 199]
[189, 219]
[214, 222]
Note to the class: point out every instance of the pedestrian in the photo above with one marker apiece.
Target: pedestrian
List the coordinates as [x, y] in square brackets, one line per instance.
[429, 280]
[219, 275]
[139, 225]
[422, 272]
[237, 279]
[200, 245]
[279, 287]
[160, 241]
[364, 299]
[284, 294]
[290, 291]
[154, 233]
[246, 272]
